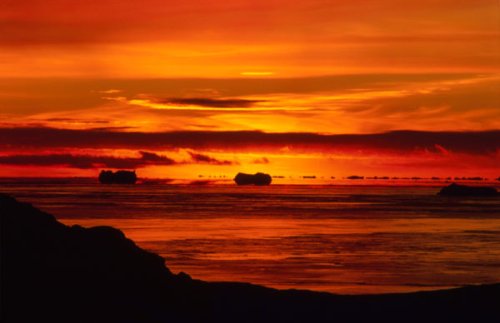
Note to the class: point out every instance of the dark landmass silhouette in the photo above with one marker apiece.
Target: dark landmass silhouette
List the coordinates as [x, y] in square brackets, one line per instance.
[465, 190]
[54, 273]
[259, 179]
[118, 177]
[355, 177]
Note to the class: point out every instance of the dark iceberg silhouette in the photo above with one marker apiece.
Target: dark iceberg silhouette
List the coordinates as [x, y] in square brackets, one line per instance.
[259, 179]
[118, 177]
[55, 273]
[465, 190]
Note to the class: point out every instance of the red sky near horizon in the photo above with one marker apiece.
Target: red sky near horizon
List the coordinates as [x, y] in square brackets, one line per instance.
[202, 87]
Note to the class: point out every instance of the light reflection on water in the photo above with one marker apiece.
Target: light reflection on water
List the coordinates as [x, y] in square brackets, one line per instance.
[355, 239]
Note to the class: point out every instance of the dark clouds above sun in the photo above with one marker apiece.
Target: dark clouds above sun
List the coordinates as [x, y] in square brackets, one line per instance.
[241, 84]
[189, 154]
[481, 143]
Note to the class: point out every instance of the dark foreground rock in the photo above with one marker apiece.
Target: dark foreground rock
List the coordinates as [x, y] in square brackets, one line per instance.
[55, 273]
[260, 179]
[118, 177]
[465, 190]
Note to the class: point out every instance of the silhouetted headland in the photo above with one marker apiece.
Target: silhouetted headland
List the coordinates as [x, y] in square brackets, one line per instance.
[118, 177]
[54, 273]
[465, 190]
[259, 179]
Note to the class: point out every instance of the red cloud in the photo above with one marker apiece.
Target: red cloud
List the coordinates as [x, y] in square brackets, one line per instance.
[481, 142]
[87, 161]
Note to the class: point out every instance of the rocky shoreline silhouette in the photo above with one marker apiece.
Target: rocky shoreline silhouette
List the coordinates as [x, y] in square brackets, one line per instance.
[465, 190]
[259, 179]
[118, 177]
[51, 272]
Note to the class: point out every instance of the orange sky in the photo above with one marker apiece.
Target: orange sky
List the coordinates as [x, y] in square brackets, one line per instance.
[316, 66]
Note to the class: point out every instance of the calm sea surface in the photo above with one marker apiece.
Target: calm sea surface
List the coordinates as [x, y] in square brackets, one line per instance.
[342, 239]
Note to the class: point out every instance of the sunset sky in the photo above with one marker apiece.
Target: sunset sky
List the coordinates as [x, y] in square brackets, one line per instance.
[182, 88]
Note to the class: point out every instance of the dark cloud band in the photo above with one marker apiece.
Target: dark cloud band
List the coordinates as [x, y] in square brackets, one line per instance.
[205, 159]
[87, 161]
[483, 142]
[211, 103]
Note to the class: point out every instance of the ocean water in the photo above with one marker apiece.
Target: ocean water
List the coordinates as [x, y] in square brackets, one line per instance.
[336, 238]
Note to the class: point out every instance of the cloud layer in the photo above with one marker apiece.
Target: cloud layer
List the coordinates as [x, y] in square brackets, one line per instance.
[205, 159]
[333, 104]
[193, 38]
[210, 102]
[87, 161]
[483, 142]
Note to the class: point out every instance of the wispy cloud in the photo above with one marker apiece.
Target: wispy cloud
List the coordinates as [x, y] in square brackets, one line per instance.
[332, 104]
[210, 102]
[205, 159]
[110, 91]
[199, 104]
[102, 160]
[262, 160]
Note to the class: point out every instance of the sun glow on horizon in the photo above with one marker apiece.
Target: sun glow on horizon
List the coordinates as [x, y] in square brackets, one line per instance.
[295, 69]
